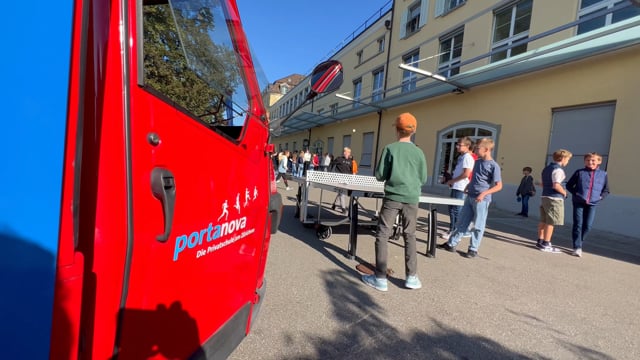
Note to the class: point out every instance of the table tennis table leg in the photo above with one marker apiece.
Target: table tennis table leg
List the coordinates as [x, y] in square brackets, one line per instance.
[353, 227]
[433, 225]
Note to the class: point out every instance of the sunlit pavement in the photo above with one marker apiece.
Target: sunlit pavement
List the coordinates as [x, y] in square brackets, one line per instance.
[511, 302]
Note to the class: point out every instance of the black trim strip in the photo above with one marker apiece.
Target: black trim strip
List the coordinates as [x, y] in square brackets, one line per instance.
[220, 345]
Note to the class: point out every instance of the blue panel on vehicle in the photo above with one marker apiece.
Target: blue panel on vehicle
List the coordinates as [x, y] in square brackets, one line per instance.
[35, 76]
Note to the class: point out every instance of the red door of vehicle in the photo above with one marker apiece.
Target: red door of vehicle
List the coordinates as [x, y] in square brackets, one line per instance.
[198, 184]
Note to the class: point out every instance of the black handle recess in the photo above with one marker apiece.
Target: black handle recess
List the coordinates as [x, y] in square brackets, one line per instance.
[163, 186]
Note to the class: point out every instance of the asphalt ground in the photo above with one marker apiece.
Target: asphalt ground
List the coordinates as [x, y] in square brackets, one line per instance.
[511, 302]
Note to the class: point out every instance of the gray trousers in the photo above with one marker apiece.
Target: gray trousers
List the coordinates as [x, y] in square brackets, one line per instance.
[386, 219]
[342, 198]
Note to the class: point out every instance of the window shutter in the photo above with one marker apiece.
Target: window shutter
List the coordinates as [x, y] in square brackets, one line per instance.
[439, 7]
[403, 24]
[424, 12]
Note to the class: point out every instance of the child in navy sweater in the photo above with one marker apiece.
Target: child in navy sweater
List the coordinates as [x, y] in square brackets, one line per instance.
[588, 186]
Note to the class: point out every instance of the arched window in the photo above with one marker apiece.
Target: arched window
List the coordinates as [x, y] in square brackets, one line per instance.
[446, 156]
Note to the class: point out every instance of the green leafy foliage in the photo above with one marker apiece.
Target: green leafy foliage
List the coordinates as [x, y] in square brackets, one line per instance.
[182, 61]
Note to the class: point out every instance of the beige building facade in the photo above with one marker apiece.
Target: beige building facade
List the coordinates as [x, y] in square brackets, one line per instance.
[534, 75]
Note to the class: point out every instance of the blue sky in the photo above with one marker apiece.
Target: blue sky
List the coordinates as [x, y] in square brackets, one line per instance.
[291, 36]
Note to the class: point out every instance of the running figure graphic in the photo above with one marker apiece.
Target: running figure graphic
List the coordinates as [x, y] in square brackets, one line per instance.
[237, 205]
[225, 211]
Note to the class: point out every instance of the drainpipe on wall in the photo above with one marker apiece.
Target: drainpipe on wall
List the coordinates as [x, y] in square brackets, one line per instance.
[384, 87]
[375, 159]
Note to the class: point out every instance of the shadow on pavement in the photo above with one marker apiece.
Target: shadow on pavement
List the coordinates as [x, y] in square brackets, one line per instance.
[366, 334]
[365, 330]
[366, 233]
[509, 228]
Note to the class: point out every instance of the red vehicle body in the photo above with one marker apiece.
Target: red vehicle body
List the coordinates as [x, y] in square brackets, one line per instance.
[168, 198]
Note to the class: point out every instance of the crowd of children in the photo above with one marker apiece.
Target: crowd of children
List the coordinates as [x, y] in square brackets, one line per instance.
[588, 186]
[474, 179]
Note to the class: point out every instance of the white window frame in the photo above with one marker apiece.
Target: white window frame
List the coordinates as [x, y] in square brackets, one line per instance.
[334, 108]
[420, 12]
[381, 44]
[444, 7]
[512, 38]
[447, 68]
[410, 78]
[377, 87]
[603, 4]
[447, 139]
[357, 92]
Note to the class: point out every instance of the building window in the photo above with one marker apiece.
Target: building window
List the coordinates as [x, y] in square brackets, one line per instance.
[367, 150]
[451, 53]
[359, 55]
[445, 6]
[377, 91]
[346, 142]
[409, 78]
[334, 108]
[381, 44]
[447, 156]
[319, 148]
[412, 22]
[414, 17]
[588, 7]
[284, 89]
[511, 24]
[357, 92]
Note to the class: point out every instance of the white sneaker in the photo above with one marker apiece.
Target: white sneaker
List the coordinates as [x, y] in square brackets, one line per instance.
[412, 282]
[550, 249]
[577, 252]
[288, 188]
[445, 235]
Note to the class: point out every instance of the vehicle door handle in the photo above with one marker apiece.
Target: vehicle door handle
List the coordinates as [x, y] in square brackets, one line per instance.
[163, 186]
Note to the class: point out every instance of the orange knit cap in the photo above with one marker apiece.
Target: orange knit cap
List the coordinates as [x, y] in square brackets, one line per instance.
[406, 122]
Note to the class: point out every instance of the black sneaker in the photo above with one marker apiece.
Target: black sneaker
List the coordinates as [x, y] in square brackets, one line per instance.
[540, 245]
[447, 247]
[471, 254]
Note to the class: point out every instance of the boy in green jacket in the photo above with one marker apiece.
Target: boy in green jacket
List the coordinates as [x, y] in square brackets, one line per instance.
[403, 168]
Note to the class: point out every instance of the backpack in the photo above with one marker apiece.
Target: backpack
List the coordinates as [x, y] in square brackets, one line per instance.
[354, 166]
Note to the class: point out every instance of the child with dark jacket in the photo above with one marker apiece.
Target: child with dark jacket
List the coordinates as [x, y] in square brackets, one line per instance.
[343, 165]
[588, 186]
[526, 190]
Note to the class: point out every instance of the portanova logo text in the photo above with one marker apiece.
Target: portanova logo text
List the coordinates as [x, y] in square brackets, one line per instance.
[208, 234]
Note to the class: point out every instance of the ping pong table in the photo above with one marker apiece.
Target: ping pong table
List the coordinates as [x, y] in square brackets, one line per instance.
[357, 186]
